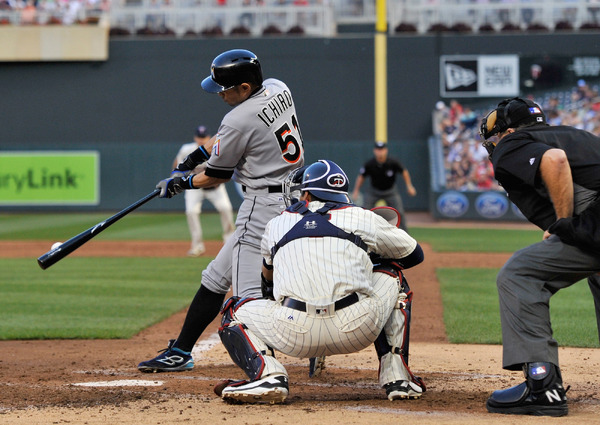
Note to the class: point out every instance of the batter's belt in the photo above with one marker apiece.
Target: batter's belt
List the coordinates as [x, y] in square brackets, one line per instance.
[268, 189]
[338, 305]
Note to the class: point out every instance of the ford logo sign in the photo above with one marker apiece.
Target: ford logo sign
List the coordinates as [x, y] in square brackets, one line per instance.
[491, 205]
[452, 204]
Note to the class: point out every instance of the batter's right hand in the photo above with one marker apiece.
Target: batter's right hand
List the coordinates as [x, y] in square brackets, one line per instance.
[172, 186]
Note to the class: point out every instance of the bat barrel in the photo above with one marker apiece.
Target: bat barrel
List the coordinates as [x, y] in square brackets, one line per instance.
[75, 242]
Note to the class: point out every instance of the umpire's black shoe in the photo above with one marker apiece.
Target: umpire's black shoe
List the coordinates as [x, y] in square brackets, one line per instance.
[542, 394]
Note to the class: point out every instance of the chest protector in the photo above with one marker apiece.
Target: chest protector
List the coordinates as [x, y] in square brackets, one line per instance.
[316, 225]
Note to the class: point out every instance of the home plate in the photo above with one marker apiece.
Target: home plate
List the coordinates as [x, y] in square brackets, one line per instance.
[121, 383]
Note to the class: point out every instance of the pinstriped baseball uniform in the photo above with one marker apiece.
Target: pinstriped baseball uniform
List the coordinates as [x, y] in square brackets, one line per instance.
[257, 145]
[321, 271]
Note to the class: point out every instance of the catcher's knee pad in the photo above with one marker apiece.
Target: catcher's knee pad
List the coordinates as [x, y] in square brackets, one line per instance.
[229, 307]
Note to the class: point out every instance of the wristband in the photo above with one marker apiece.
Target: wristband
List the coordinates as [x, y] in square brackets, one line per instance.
[188, 182]
[200, 155]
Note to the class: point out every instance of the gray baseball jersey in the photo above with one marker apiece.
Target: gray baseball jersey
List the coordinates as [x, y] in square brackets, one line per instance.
[259, 141]
[257, 145]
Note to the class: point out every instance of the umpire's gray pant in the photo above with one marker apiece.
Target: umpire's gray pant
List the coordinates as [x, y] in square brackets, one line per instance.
[392, 199]
[525, 284]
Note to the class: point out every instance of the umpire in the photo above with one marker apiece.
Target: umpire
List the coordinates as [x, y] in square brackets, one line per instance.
[383, 170]
[552, 174]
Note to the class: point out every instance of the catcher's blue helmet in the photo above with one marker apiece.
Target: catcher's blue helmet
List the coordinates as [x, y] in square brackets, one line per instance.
[326, 180]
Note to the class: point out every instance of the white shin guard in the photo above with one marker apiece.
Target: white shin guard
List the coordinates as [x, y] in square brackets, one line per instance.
[392, 365]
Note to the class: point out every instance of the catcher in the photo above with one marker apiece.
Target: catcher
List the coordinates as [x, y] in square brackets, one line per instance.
[333, 284]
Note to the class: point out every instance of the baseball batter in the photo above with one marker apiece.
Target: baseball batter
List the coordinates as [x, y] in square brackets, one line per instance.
[329, 297]
[257, 145]
[217, 195]
[552, 173]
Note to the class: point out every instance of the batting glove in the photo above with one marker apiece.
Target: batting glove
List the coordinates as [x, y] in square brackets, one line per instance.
[172, 186]
[194, 159]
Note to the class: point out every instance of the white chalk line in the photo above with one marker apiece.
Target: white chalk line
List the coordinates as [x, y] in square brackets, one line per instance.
[121, 383]
[213, 340]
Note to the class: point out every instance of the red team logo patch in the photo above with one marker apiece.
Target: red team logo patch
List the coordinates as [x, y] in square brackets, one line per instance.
[336, 180]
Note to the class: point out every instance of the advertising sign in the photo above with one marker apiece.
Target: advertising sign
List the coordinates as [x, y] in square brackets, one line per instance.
[49, 178]
[479, 76]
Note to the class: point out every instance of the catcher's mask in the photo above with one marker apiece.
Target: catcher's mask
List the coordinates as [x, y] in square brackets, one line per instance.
[292, 185]
[510, 113]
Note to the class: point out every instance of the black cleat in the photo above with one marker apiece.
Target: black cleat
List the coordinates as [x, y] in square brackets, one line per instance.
[171, 359]
[542, 394]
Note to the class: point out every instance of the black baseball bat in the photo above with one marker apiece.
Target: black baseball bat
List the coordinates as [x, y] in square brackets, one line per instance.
[75, 242]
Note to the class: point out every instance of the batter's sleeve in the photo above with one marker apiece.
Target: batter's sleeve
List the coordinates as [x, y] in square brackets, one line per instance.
[228, 150]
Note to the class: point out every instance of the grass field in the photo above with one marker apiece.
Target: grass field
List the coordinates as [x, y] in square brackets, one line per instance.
[117, 297]
[471, 311]
[86, 298]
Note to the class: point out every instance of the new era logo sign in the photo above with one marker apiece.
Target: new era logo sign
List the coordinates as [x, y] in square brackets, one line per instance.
[457, 76]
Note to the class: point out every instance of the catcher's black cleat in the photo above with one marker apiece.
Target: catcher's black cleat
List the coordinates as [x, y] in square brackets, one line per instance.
[542, 394]
[171, 359]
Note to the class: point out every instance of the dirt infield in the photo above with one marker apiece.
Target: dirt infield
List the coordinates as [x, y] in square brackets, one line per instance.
[93, 382]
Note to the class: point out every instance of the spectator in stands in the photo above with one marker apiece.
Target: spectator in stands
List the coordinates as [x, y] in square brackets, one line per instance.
[580, 109]
[73, 12]
[468, 118]
[456, 110]
[439, 115]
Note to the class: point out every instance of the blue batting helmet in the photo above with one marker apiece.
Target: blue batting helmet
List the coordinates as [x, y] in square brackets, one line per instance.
[326, 180]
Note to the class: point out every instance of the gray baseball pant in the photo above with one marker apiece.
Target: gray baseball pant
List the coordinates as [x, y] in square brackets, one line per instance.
[525, 284]
[238, 264]
[392, 199]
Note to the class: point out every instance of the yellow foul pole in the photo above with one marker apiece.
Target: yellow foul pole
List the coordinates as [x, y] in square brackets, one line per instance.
[381, 72]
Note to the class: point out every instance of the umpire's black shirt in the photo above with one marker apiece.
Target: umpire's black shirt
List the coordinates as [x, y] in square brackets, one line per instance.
[516, 161]
[383, 175]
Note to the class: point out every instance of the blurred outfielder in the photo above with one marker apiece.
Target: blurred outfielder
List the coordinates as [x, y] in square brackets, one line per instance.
[217, 195]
